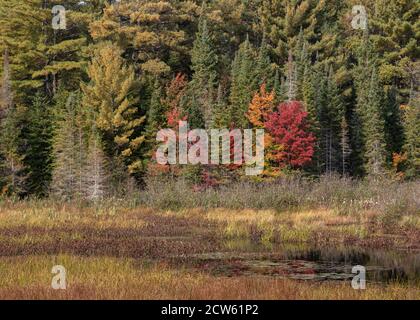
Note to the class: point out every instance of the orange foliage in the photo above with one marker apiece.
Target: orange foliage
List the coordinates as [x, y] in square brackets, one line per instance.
[261, 106]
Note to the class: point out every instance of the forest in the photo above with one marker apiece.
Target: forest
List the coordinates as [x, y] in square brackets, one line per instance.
[81, 106]
[88, 86]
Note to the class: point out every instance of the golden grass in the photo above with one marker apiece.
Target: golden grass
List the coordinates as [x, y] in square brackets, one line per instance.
[111, 278]
[108, 251]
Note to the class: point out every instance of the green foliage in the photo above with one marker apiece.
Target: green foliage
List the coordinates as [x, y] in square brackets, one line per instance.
[136, 60]
[412, 138]
[37, 135]
[202, 88]
[242, 84]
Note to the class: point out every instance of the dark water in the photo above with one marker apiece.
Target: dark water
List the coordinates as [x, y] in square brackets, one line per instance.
[310, 263]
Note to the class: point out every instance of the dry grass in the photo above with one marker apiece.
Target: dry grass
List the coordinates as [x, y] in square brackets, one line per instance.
[110, 278]
[314, 226]
[124, 252]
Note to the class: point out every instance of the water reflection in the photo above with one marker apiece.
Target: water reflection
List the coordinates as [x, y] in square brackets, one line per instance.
[304, 262]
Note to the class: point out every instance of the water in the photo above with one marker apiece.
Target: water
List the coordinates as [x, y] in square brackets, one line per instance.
[304, 262]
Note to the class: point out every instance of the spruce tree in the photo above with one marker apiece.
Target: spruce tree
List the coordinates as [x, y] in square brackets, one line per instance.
[69, 146]
[95, 175]
[202, 88]
[37, 137]
[264, 72]
[155, 115]
[394, 131]
[344, 146]
[6, 95]
[411, 146]
[373, 128]
[12, 168]
[242, 83]
[12, 176]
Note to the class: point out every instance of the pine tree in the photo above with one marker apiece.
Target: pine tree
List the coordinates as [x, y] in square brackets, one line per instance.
[394, 131]
[12, 169]
[37, 139]
[41, 57]
[202, 88]
[95, 176]
[221, 117]
[242, 83]
[69, 146]
[153, 34]
[394, 27]
[155, 115]
[335, 113]
[6, 95]
[411, 146]
[345, 146]
[264, 72]
[373, 129]
[362, 74]
[278, 87]
[291, 81]
[110, 95]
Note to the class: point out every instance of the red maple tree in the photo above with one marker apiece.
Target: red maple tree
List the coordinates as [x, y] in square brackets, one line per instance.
[288, 127]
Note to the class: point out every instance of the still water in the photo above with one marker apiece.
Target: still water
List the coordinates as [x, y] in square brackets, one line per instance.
[304, 262]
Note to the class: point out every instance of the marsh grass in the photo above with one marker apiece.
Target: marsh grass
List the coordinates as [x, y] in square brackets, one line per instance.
[123, 248]
[344, 195]
[111, 278]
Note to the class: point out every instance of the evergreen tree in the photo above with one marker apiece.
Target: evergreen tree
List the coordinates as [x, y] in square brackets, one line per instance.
[264, 72]
[291, 80]
[242, 83]
[395, 28]
[12, 175]
[221, 117]
[153, 34]
[335, 113]
[6, 95]
[411, 146]
[69, 146]
[278, 87]
[12, 168]
[41, 57]
[110, 95]
[394, 132]
[362, 74]
[37, 139]
[345, 146]
[155, 115]
[373, 128]
[202, 88]
[95, 175]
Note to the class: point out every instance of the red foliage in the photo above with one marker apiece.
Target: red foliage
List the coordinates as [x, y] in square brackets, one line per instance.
[289, 128]
[175, 91]
[173, 117]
